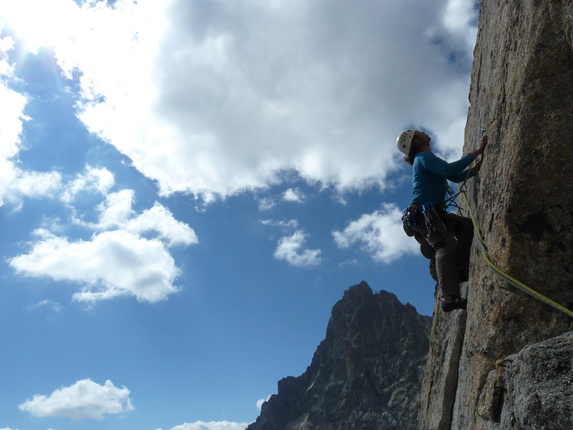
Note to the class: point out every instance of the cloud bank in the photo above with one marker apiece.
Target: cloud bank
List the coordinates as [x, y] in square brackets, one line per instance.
[214, 98]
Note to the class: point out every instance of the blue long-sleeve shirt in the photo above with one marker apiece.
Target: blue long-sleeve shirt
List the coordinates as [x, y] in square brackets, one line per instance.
[431, 175]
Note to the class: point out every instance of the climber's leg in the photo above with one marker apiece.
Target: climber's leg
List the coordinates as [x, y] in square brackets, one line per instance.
[446, 248]
[462, 229]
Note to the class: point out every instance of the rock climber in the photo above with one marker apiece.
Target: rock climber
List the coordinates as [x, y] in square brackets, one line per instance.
[444, 237]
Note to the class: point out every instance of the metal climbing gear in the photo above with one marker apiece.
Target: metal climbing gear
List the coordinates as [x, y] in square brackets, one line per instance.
[421, 217]
[427, 209]
[412, 216]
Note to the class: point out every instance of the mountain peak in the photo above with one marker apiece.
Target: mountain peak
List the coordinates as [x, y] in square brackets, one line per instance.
[364, 374]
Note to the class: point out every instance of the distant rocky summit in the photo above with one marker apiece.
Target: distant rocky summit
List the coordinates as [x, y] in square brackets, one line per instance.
[365, 374]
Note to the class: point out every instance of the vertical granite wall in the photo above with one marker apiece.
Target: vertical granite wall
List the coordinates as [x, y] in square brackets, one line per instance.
[522, 94]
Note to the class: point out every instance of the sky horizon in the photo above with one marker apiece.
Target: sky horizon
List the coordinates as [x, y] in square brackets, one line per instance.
[189, 186]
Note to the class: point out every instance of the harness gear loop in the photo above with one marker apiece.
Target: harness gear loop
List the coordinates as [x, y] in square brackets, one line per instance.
[427, 209]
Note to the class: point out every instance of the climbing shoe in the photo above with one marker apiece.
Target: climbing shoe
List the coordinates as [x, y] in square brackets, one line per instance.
[456, 303]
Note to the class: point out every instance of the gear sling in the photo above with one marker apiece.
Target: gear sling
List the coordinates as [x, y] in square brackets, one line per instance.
[444, 238]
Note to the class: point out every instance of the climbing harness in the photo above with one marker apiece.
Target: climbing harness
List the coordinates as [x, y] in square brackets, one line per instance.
[418, 215]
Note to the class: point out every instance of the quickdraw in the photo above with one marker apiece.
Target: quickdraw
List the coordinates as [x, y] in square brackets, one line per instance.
[427, 209]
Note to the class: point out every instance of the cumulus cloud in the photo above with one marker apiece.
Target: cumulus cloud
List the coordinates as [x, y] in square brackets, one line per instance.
[83, 400]
[96, 179]
[116, 212]
[379, 234]
[29, 184]
[126, 255]
[215, 97]
[111, 264]
[291, 249]
[212, 425]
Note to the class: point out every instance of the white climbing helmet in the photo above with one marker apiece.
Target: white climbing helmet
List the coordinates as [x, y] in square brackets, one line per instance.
[404, 141]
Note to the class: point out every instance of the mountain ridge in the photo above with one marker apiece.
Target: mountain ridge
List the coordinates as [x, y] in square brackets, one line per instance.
[364, 374]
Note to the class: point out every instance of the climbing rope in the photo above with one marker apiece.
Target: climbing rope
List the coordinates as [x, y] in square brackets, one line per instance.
[500, 273]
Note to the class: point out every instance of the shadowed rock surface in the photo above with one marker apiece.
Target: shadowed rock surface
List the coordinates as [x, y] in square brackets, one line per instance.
[364, 375]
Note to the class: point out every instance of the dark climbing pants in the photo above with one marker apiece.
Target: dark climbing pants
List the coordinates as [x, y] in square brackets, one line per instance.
[451, 242]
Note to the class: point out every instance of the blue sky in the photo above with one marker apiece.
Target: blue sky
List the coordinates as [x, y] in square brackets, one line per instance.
[187, 188]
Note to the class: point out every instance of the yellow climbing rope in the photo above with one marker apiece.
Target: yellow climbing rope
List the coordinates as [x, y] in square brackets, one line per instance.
[497, 271]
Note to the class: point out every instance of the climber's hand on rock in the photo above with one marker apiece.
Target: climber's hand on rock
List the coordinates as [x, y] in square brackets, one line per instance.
[481, 147]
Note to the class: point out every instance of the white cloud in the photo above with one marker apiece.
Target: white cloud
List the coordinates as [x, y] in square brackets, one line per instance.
[15, 183]
[117, 212]
[54, 306]
[83, 400]
[217, 97]
[459, 20]
[212, 425]
[11, 116]
[285, 225]
[112, 264]
[267, 203]
[94, 179]
[35, 29]
[127, 254]
[33, 184]
[293, 195]
[261, 401]
[159, 219]
[291, 249]
[380, 234]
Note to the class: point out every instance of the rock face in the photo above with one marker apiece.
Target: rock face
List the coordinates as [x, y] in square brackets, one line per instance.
[365, 374]
[522, 94]
[532, 389]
